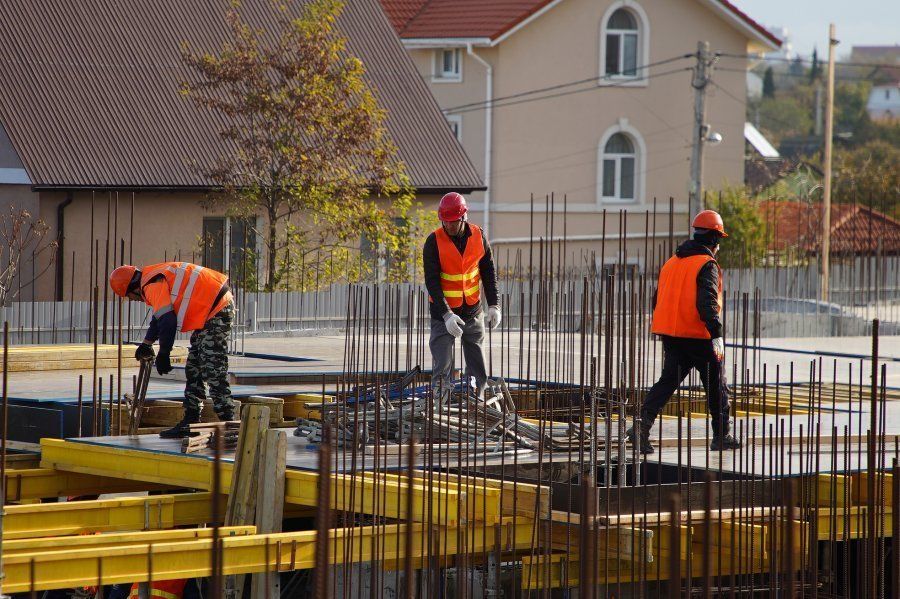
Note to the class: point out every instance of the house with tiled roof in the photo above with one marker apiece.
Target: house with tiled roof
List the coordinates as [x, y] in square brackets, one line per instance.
[588, 100]
[795, 227]
[97, 139]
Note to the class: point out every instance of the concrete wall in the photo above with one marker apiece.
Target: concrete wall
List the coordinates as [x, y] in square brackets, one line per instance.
[550, 146]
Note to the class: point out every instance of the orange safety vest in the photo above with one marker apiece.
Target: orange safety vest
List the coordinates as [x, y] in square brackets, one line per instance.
[194, 291]
[460, 277]
[676, 312]
[162, 589]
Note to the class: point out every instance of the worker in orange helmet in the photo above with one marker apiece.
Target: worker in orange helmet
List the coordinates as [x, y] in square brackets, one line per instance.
[458, 263]
[687, 316]
[185, 297]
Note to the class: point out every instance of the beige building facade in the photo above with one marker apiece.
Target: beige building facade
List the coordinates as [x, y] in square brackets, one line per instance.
[590, 103]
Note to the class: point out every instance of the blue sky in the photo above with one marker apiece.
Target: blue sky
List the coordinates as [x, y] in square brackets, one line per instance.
[859, 23]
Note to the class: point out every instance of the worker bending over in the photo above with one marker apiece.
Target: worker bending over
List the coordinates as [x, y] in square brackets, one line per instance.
[185, 297]
[687, 317]
[458, 262]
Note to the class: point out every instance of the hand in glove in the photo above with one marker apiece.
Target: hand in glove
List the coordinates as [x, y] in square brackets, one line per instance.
[163, 364]
[719, 348]
[144, 351]
[494, 317]
[454, 324]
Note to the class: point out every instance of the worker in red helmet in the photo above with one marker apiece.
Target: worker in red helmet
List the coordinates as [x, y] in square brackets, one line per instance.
[185, 297]
[458, 264]
[687, 316]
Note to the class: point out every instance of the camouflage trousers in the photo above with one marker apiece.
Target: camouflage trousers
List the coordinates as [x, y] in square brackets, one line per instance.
[207, 365]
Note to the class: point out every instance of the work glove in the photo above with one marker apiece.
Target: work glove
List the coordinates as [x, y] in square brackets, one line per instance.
[454, 324]
[144, 351]
[163, 364]
[719, 348]
[494, 317]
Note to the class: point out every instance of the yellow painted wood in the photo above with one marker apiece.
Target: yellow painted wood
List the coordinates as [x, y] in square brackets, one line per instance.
[67, 568]
[114, 540]
[29, 358]
[833, 490]
[39, 483]
[884, 482]
[381, 493]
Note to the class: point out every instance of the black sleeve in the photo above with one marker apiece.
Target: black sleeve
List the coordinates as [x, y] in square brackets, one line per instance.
[431, 263]
[708, 298]
[488, 274]
[168, 325]
[152, 331]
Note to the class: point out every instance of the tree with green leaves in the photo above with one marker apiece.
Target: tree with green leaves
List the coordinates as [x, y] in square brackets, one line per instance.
[768, 89]
[868, 175]
[309, 151]
[746, 244]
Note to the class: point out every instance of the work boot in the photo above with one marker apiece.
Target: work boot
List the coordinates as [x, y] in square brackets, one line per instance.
[182, 429]
[644, 447]
[724, 443]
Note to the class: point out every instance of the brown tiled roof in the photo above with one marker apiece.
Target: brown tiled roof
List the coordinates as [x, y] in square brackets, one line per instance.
[90, 92]
[489, 18]
[855, 229]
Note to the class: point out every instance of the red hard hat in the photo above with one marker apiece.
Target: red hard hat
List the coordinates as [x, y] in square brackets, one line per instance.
[120, 279]
[452, 208]
[710, 219]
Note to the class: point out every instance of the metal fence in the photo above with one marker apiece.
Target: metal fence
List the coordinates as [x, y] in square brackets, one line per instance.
[778, 302]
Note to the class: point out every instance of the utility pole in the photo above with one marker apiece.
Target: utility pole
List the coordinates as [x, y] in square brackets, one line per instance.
[824, 263]
[701, 78]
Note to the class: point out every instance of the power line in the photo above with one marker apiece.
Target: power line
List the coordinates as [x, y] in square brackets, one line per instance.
[596, 79]
[566, 93]
[800, 60]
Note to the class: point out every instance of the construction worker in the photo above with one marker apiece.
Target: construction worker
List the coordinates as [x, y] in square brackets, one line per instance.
[687, 317]
[458, 263]
[185, 297]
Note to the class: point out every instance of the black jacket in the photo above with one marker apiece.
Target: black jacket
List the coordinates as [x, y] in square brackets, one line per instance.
[432, 265]
[707, 287]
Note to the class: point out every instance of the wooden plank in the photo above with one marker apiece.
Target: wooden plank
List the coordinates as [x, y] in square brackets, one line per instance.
[241, 507]
[270, 504]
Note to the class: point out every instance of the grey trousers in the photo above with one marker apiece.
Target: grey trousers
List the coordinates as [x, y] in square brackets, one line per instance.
[443, 346]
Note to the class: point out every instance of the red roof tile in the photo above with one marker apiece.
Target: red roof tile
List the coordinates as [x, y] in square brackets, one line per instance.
[854, 228]
[487, 18]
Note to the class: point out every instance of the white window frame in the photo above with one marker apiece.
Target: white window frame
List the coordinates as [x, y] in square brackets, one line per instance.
[640, 160]
[455, 120]
[639, 79]
[439, 75]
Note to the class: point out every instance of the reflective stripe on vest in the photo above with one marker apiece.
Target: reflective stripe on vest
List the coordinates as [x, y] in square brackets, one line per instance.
[163, 589]
[460, 275]
[676, 314]
[193, 290]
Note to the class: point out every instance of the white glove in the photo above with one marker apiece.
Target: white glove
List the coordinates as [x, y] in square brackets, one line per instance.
[719, 348]
[494, 317]
[454, 324]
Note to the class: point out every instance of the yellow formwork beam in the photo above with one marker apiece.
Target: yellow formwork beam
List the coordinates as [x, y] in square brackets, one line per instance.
[560, 570]
[241, 554]
[115, 540]
[851, 522]
[40, 483]
[366, 492]
[153, 512]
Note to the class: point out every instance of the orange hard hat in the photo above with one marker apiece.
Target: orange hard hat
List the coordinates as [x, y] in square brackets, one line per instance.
[452, 207]
[120, 279]
[710, 219]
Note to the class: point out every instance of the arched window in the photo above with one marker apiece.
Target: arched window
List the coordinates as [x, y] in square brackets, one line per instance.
[621, 44]
[624, 42]
[619, 169]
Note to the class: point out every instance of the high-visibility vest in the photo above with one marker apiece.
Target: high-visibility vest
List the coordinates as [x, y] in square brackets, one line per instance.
[161, 589]
[460, 277]
[676, 313]
[194, 291]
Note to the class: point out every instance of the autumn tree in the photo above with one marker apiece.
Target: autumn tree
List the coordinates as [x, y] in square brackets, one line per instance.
[308, 147]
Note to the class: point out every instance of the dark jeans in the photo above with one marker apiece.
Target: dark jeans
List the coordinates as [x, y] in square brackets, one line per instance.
[679, 357]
